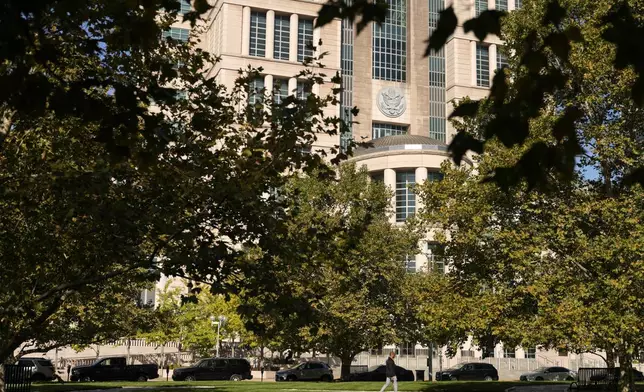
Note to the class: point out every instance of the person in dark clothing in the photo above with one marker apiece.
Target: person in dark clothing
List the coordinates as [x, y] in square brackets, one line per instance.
[390, 372]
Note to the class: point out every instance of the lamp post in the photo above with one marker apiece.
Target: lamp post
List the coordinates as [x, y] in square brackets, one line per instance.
[219, 320]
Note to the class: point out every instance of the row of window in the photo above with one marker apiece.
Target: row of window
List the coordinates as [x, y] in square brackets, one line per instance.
[389, 60]
[483, 64]
[280, 90]
[281, 36]
[501, 5]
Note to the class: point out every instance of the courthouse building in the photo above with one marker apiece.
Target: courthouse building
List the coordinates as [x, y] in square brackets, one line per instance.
[404, 100]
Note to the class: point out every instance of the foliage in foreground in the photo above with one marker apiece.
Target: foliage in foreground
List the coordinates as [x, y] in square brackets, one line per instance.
[338, 284]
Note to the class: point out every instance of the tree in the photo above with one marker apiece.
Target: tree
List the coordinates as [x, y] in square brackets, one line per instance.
[339, 278]
[560, 263]
[102, 186]
[545, 57]
[187, 320]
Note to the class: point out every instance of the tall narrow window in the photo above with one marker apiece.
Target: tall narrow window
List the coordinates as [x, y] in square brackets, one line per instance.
[390, 44]
[346, 97]
[410, 263]
[501, 5]
[405, 197]
[280, 90]
[304, 39]
[185, 6]
[177, 33]
[518, 4]
[437, 120]
[501, 58]
[257, 34]
[303, 89]
[480, 6]
[379, 130]
[531, 353]
[482, 65]
[436, 261]
[282, 37]
[256, 91]
[509, 353]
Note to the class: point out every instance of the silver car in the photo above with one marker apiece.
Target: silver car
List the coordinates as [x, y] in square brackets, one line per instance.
[41, 368]
[306, 371]
[550, 373]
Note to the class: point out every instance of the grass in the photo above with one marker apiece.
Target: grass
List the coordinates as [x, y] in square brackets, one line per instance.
[252, 386]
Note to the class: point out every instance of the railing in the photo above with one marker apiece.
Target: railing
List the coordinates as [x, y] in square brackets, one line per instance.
[607, 378]
[17, 378]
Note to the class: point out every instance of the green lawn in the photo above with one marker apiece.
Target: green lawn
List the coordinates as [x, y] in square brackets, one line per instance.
[251, 386]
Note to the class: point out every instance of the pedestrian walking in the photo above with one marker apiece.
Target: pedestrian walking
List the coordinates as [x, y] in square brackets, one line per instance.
[390, 373]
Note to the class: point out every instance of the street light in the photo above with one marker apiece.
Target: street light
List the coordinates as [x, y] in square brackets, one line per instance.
[219, 321]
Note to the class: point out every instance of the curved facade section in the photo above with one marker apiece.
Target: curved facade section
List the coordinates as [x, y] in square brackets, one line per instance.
[402, 161]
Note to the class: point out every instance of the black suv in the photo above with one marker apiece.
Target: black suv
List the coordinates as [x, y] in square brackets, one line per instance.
[469, 372]
[232, 369]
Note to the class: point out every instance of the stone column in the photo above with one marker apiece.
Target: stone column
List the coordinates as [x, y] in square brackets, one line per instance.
[316, 38]
[491, 4]
[268, 84]
[473, 54]
[245, 31]
[270, 33]
[292, 85]
[492, 62]
[292, 50]
[390, 182]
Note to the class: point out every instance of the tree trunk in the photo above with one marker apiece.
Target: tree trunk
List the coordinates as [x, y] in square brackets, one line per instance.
[626, 381]
[610, 357]
[346, 359]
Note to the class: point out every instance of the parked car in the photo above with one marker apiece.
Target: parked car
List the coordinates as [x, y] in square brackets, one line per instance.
[233, 369]
[114, 368]
[41, 368]
[473, 371]
[306, 371]
[378, 373]
[549, 373]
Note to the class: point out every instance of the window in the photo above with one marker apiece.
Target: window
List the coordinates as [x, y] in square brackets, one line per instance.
[346, 97]
[408, 349]
[378, 177]
[257, 34]
[501, 58]
[509, 353]
[218, 363]
[467, 353]
[435, 259]
[148, 297]
[379, 130]
[482, 65]
[185, 6]
[480, 5]
[390, 44]
[434, 176]
[177, 34]
[280, 90]
[531, 353]
[518, 4]
[256, 91]
[437, 121]
[405, 198]
[410, 263]
[502, 5]
[303, 89]
[304, 39]
[282, 37]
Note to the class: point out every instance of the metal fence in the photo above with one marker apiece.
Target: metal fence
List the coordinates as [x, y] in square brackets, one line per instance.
[592, 378]
[17, 378]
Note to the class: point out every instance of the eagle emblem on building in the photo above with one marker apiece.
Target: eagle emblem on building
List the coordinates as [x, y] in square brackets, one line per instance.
[391, 101]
